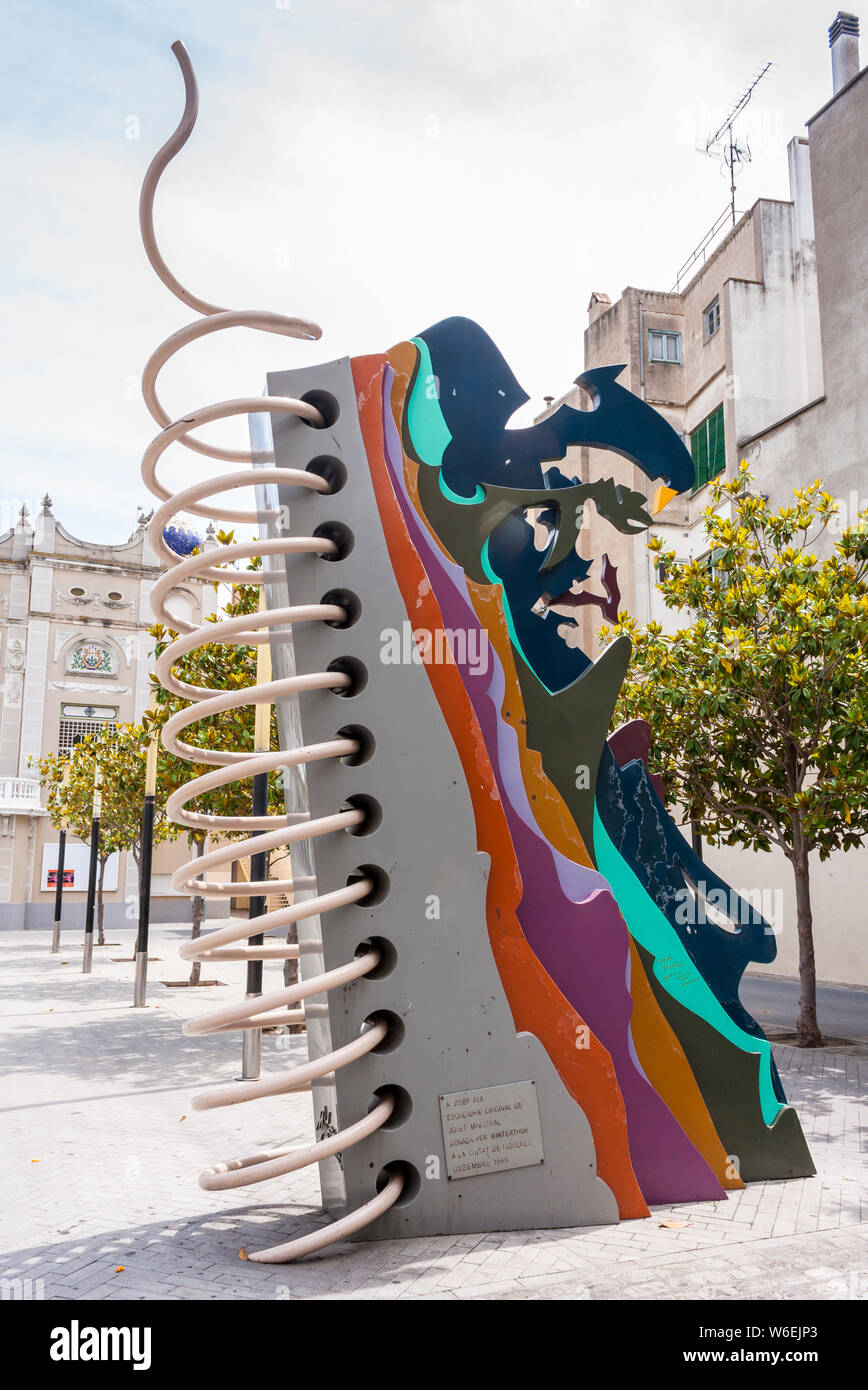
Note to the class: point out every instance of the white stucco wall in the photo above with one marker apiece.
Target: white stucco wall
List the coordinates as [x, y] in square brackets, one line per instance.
[840, 908]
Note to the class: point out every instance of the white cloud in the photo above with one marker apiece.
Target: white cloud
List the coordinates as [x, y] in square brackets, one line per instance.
[376, 167]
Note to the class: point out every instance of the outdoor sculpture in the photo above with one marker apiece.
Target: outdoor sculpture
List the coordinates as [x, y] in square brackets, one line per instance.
[509, 1023]
[459, 475]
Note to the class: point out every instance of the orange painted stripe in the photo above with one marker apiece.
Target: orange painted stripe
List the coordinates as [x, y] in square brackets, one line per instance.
[549, 809]
[537, 1005]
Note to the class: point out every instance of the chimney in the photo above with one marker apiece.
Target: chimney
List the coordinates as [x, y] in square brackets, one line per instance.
[844, 43]
[600, 303]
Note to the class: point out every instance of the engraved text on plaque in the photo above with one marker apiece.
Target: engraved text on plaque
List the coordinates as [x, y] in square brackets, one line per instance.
[487, 1130]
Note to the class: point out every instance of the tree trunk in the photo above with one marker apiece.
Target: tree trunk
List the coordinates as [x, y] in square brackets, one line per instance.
[100, 905]
[198, 909]
[808, 1028]
[290, 967]
[292, 974]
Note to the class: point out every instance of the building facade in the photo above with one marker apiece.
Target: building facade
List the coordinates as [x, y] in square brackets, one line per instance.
[76, 656]
[761, 355]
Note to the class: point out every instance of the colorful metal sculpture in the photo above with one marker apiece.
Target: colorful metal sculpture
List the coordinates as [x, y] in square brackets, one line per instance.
[510, 1022]
[451, 464]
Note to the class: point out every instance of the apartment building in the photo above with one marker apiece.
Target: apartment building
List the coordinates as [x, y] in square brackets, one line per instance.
[762, 353]
[758, 352]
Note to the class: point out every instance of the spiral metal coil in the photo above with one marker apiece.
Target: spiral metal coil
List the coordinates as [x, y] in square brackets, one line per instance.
[265, 1010]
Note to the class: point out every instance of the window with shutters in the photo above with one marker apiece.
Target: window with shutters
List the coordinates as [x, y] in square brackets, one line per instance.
[663, 346]
[708, 449]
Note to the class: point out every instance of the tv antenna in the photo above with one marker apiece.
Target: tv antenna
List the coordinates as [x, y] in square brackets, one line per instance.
[722, 143]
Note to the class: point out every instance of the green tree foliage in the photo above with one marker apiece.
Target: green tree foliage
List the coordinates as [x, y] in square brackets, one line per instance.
[759, 707]
[119, 752]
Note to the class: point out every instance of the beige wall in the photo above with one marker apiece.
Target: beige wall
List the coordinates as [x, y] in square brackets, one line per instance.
[830, 435]
[839, 888]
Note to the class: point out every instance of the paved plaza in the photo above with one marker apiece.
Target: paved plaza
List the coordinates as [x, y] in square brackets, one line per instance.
[101, 1151]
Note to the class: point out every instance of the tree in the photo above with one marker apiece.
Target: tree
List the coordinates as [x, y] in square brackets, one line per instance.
[119, 753]
[759, 707]
[216, 666]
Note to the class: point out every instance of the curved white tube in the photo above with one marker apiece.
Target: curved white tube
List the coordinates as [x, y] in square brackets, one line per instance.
[262, 833]
[249, 1011]
[275, 1163]
[282, 1082]
[338, 1230]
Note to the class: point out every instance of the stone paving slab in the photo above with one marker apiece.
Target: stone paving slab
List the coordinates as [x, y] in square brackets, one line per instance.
[101, 1151]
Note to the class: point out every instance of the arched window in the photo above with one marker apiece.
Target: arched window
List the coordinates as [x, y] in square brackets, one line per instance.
[88, 658]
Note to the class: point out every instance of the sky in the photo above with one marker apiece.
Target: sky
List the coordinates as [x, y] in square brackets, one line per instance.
[373, 165]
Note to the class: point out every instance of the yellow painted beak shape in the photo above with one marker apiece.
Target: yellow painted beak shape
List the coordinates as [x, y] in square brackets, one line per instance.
[663, 495]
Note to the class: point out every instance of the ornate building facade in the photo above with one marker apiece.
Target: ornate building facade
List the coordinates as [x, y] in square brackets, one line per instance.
[76, 656]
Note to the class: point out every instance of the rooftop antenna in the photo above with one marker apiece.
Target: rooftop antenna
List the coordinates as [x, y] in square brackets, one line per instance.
[723, 145]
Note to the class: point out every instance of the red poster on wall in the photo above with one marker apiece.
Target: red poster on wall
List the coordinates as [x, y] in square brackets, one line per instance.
[68, 878]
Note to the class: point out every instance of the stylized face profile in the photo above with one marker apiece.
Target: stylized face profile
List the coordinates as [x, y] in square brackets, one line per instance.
[620, 508]
[464, 395]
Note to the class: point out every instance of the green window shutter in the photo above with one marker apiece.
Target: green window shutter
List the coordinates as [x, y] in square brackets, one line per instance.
[699, 454]
[716, 443]
[708, 448]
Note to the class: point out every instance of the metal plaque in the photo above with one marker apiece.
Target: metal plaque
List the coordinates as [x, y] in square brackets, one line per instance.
[486, 1131]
